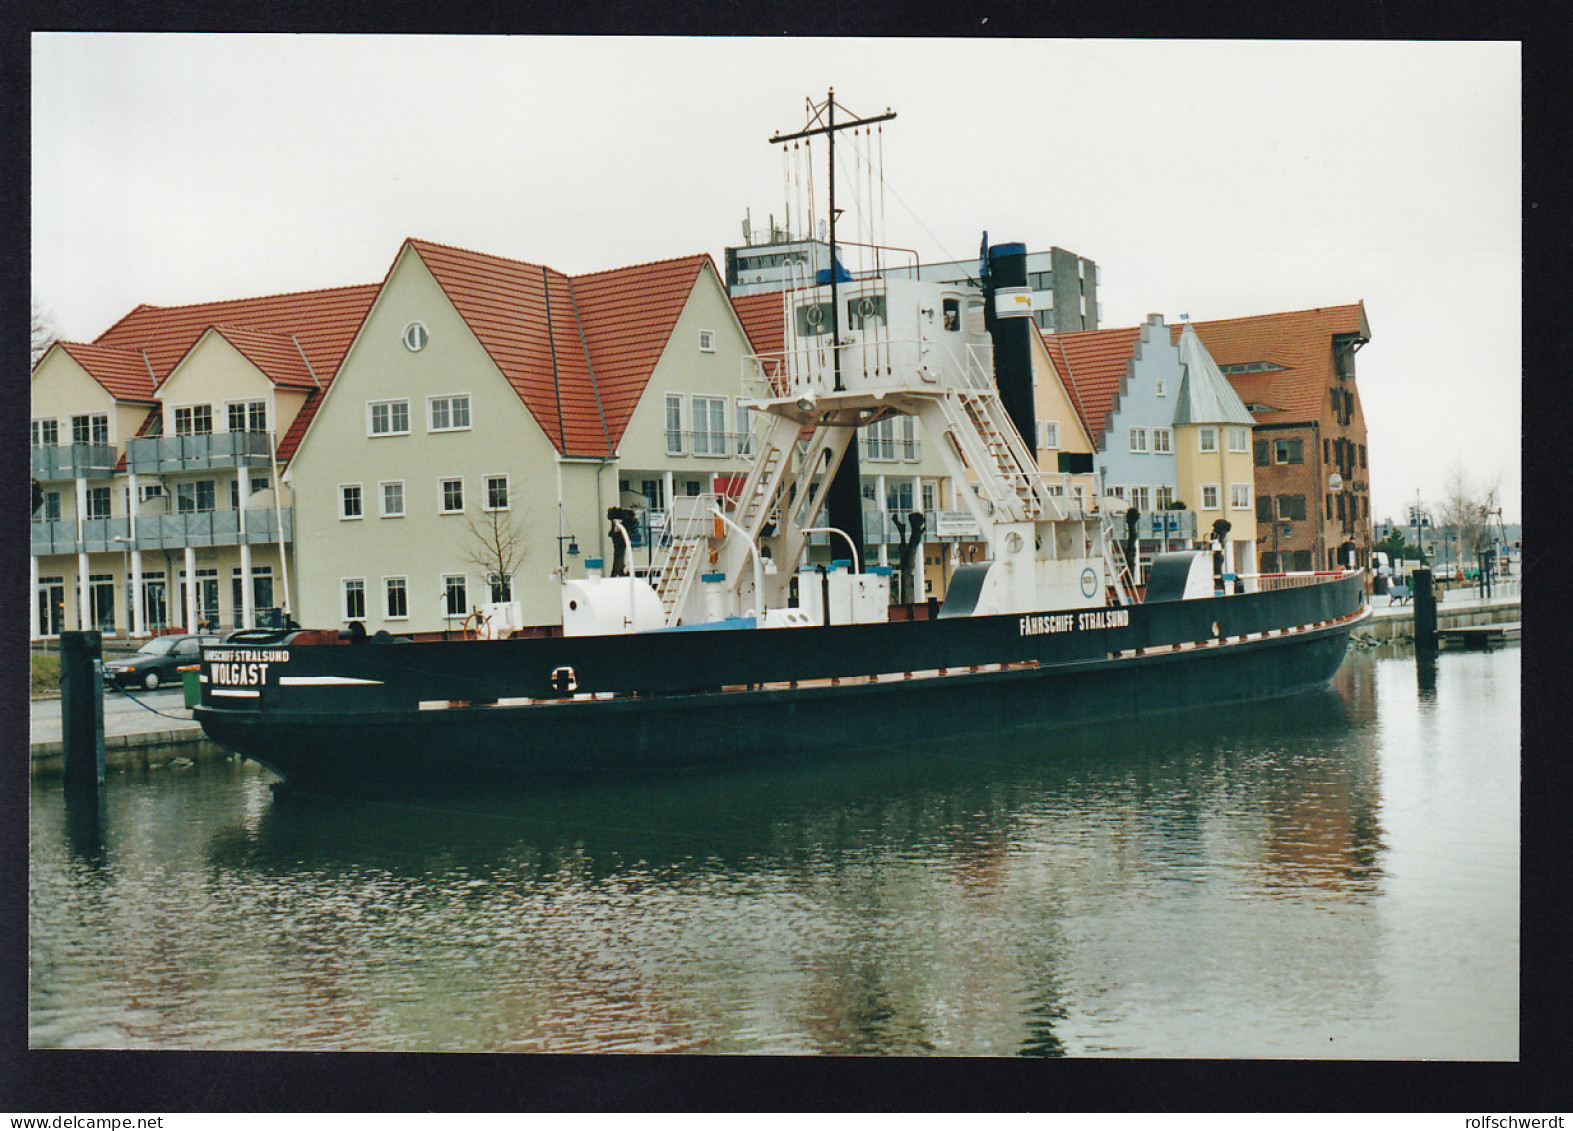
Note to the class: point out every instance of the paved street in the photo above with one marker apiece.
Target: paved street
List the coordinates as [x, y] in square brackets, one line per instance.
[122, 715]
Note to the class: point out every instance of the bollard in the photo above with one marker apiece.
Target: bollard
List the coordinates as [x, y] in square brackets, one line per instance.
[1424, 597]
[82, 708]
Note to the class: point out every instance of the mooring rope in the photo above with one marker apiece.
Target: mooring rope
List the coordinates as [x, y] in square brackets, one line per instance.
[145, 707]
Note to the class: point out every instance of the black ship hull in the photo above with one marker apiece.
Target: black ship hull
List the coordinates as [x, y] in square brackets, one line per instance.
[460, 714]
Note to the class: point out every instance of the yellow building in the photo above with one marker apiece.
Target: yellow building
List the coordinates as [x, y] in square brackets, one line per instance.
[1212, 435]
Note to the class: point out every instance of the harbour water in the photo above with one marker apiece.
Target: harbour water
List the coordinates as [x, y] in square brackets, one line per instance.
[1335, 875]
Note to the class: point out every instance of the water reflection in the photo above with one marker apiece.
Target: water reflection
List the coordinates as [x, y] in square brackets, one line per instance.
[1192, 883]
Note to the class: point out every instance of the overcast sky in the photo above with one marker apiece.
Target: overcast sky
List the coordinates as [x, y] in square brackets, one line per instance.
[1210, 179]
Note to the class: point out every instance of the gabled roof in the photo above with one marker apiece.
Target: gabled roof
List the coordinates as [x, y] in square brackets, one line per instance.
[1298, 340]
[578, 351]
[323, 322]
[628, 316]
[123, 373]
[276, 356]
[1092, 365]
[1206, 397]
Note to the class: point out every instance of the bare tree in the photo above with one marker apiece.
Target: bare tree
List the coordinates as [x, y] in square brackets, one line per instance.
[1466, 509]
[44, 332]
[497, 545]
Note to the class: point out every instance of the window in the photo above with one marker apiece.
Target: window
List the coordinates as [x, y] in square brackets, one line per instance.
[450, 413]
[1048, 433]
[452, 495]
[707, 341]
[1329, 508]
[501, 586]
[813, 319]
[1117, 492]
[247, 416]
[1138, 439]
[1162, 440]
[1165, 497]
[349, 500]
[1239, 439]
[396, 598]
[1340, 506]
[388, 418]
[1327, 450]
[259, 483]
[194, 420]
[354, 598]
[496, 492]
[98, 502]
[393, 499]
[745, 428]
[415, 337]
[952, 315]
[46, 433]
[1207, 439]
[1291, 507]
[1209, 496]
[879, 439]
[1261, 447]
[1264, 509]
[92, 429]
[1288, 451]
[710, 426]
[1158, 388]
[1362, 457]
[455, 601]
[1240, 496]
[674, 424]
[928, 497]
[866, 312]
[1140, 498]
[195, 497]
[50, 511]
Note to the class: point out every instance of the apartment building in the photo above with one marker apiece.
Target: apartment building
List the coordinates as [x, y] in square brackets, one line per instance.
[156, 450]
[1212, 439]
[1124, 385]
[1295, 372]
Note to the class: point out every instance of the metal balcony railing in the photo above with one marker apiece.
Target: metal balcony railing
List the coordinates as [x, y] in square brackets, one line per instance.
[153, 455]
[162, 531]
[74, 461]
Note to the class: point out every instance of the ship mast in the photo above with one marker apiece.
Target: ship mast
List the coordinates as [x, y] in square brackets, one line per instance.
[845, 497]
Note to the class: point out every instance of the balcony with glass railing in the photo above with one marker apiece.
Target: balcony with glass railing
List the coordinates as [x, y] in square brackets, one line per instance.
[163, 531]
[155, 455]
[74, 461]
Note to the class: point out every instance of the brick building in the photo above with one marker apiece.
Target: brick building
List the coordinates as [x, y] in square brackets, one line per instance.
[1295, 371]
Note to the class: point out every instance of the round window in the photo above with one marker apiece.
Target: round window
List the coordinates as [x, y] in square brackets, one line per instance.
[415, 336]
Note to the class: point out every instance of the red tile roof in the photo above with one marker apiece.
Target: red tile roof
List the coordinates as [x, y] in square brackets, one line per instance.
[123, 373]
[628, 317]
[763, 317]
[1298, 340]
[272, 332]
[324, 322]
[578, 350]
[1092, 364]
[277, 356]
